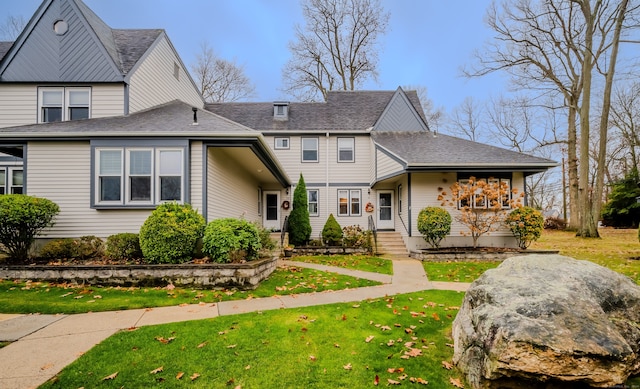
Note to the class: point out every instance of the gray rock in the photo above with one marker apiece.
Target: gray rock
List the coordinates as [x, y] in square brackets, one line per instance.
[548, 321]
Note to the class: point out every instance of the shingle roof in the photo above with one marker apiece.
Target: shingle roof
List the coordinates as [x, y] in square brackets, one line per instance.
[345, 111]
[426, 150]
[171, 119]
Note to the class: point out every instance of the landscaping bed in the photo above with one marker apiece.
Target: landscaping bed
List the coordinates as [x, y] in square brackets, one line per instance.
[241, 275]
[470, 254]
[328, 250]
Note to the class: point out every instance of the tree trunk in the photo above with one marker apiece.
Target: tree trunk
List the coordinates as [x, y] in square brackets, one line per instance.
[572, 160]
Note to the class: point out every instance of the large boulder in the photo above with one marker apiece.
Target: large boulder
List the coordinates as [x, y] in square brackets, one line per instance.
[548, 321]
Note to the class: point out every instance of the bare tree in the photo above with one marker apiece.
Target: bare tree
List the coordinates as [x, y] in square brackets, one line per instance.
[337, 49]
[466, 120]
[12, 27]
[220, 80]
[553, 47]
[435, 116]
[625, 119]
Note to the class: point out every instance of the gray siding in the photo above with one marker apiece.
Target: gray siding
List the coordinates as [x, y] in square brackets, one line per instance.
[76, 56]
[400, 115]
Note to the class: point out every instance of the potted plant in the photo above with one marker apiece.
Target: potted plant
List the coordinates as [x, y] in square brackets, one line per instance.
[288, 250]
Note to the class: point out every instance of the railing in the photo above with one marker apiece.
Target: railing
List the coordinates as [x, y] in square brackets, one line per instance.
[374, 231]
[285, 229]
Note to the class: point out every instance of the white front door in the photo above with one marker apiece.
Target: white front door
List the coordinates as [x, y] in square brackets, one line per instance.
[385, 210]
[271, 211]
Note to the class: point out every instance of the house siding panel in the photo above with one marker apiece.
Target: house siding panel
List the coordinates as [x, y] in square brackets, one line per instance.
[400, 116]
[196, 170]
[386, 166]
[153, 83]
[107, 100]
[230, 193]
[18, 105]
[73, 167]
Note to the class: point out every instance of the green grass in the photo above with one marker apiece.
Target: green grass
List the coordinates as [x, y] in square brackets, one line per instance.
[48, 298]
[457, 271]
[616, 249]
[320, 347]
[354, 262]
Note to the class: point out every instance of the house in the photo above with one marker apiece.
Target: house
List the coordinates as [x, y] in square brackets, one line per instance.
[108, 124]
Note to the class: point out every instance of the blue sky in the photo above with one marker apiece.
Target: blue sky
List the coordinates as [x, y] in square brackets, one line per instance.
[427, 42]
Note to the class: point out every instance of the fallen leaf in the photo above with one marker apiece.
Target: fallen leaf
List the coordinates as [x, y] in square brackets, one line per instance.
[170, 287]
[347, 366]
[111, 376]
[369, 338]
[247, 367]
[456, 382]
[385, 328]
[356, 306]
[179, 375]
[336, 345]
[408, 330]
[194, 376]
[392, 382]
[97, 296]
[419, 380]
[376, 380]
[201, 345]
[312, 358]
[447, 365]
[161, 339]
[157, 370]
[402, 377]
[395, 370]
[391, 342]
[67, 294]
[435, 317]
[232, 346]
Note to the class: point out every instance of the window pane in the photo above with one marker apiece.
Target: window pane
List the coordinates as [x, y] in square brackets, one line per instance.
[77, 97]
[52, 98]
[78, 113]
[313, 208]
[312, 196]
[3, 178]
[355, 202]
[140, 162]
[2, 190]
[111, 162]
[170, 188]
[309, 149]
[170, 162]
[16, 190]
[110, 188]
[309, 155]
[16, 178]
[140, 188]
[343, 202]
[345, 149]
[272, 206]
[51, 115]
[346, 155]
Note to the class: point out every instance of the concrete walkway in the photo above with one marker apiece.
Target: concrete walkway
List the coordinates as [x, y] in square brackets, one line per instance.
[44, 344]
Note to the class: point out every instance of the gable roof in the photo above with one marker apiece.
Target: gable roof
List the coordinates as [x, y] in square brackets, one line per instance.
[344, 111]
[39, 54]
[4, 48]
[428, 151]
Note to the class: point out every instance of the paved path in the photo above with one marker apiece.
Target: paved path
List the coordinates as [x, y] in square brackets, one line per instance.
[44, 344]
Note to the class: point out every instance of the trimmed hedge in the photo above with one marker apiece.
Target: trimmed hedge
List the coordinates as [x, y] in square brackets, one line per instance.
[526, 224]
[125, 245]
[434, 223]
[231, 240]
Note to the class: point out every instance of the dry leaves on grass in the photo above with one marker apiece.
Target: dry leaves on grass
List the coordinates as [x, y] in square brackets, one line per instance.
[111, 376]
[456, 382]
[157, 370]
[447, 365]
[164, 340]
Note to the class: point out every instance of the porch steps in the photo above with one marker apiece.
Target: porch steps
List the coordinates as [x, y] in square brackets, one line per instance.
[390, 242]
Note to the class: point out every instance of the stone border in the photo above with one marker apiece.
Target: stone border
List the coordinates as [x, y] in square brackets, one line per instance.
[445, 255]
[328, 250]
[243, 275]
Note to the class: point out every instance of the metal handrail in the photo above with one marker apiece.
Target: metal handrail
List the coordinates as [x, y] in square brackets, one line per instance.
[285, 229]
[374, 232]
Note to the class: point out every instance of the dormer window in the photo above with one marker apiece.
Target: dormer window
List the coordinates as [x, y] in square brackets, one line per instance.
[281, 110]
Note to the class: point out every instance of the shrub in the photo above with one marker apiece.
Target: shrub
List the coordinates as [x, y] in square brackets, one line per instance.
[81, 248]
[555, 223]
[526, 224]
[353, 236]
[22, 218]
[434, 223]
[125, 246]
[299, 224]
[332, 233]
[231, 240]
[170, 234]
[268, 244]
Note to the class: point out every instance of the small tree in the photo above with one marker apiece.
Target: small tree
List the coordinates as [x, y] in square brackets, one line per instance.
[22, 218]
[299, 223]
[622, 209]
[483, 204]
[434, 223]
[332, 233]
[527, 224]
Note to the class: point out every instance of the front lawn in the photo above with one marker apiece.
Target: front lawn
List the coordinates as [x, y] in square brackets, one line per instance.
[354, 262]
[457, 271]
[403, 339]
[49, 298]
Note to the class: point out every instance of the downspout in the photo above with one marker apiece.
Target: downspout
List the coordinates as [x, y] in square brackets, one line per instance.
[125, 109]
[409, 203]
[327, 176]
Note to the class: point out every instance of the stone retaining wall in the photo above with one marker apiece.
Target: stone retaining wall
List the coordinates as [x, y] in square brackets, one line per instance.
[328, 250]
[243, 275]
[445, 255]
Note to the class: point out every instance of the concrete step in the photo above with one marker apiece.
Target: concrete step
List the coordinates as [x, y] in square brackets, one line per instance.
[390, 242]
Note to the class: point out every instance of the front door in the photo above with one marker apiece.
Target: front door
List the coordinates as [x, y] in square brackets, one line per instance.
[271, 210]
[385, 210]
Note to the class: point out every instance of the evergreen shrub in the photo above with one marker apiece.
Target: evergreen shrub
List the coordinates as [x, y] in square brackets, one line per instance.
[434, 223]
[526, 224]
[125, 246]
[170, 234]
[331, 232]
[230, 240]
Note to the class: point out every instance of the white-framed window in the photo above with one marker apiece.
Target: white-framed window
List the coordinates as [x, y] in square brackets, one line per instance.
[16, 181]
[479, 201]
[309, 149]
[3, 181]
[281, 143]
[138, 176]
[312, 201]
[56, 104]
[349, 202]
[346, 149]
